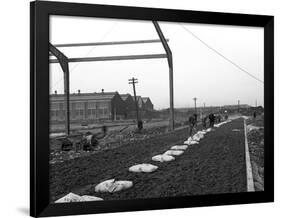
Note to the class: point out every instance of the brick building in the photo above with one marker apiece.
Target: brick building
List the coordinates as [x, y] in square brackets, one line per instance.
[130, 105]
[147, 104]
[88, 106]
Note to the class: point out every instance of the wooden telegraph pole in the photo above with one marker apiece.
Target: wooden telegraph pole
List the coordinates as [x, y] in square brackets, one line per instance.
[133, 81]
[195, 99]
[238, 106]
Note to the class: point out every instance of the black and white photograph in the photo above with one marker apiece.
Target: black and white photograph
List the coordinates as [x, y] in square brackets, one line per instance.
[148, 109]
[140, 108]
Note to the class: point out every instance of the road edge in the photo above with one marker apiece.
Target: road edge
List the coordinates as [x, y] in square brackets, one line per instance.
[250, 181]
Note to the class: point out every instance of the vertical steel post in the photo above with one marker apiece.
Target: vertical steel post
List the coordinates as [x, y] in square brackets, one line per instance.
[66, 100]
[170, 63]
[63, 60]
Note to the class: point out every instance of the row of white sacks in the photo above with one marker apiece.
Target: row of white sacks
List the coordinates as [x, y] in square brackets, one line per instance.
[112, 185]
[169, 155]
[109, 186]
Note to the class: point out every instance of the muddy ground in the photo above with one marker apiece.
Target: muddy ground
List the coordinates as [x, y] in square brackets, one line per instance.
[215, 165]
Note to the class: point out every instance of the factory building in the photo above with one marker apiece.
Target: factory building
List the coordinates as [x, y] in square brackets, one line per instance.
[97, 106]
[88, 106]
[147, 104]
[130, 105]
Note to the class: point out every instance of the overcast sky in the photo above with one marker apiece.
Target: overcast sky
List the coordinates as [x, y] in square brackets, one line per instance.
[198, 71]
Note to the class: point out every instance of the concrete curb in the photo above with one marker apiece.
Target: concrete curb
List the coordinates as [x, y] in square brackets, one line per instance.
[250, 181]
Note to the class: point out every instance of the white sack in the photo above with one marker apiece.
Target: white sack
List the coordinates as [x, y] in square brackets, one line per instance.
[203, 132]
[199, 135]
[174, 152]
[121, 185]
[163, 158]
[179, 147]
[196, 138]
[188, 141]
[143, 168]
[70, 197]
[112, 186]
[90, 198]
[104, 186]
[193, 143]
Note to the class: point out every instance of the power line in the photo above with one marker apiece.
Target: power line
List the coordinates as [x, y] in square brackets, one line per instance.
[220, 54]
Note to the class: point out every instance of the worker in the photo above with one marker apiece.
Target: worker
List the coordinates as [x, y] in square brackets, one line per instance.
[204, 122]
[226, 117]
[90, 140]
[192, 123]
[212, 119]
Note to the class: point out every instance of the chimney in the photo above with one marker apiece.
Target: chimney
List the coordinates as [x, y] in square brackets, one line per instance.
[56, 92]
[78, 91]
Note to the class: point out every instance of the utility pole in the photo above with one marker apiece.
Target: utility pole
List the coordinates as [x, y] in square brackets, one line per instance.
[238, 106]
[204, 106]
[133, 81]
[195, 99]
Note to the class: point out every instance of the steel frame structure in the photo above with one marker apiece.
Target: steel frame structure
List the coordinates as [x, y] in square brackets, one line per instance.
[64, 63]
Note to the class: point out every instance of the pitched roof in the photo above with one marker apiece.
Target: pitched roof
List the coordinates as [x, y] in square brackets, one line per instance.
[125, 96]
[145, 99]
[139, 98]
[97, 96]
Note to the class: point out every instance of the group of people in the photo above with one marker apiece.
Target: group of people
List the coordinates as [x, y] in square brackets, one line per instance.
[193, 122]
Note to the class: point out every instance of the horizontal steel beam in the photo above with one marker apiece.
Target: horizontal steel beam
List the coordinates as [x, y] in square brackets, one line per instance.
[112, 58]
[109, 43]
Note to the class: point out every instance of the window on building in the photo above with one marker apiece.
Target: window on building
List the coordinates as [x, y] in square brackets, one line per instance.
[89, 112]
[100, 111]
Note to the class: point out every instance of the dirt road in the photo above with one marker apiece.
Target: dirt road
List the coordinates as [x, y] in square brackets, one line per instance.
[215, 165]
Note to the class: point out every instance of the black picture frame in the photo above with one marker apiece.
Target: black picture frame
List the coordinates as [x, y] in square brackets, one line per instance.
[39, 106]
